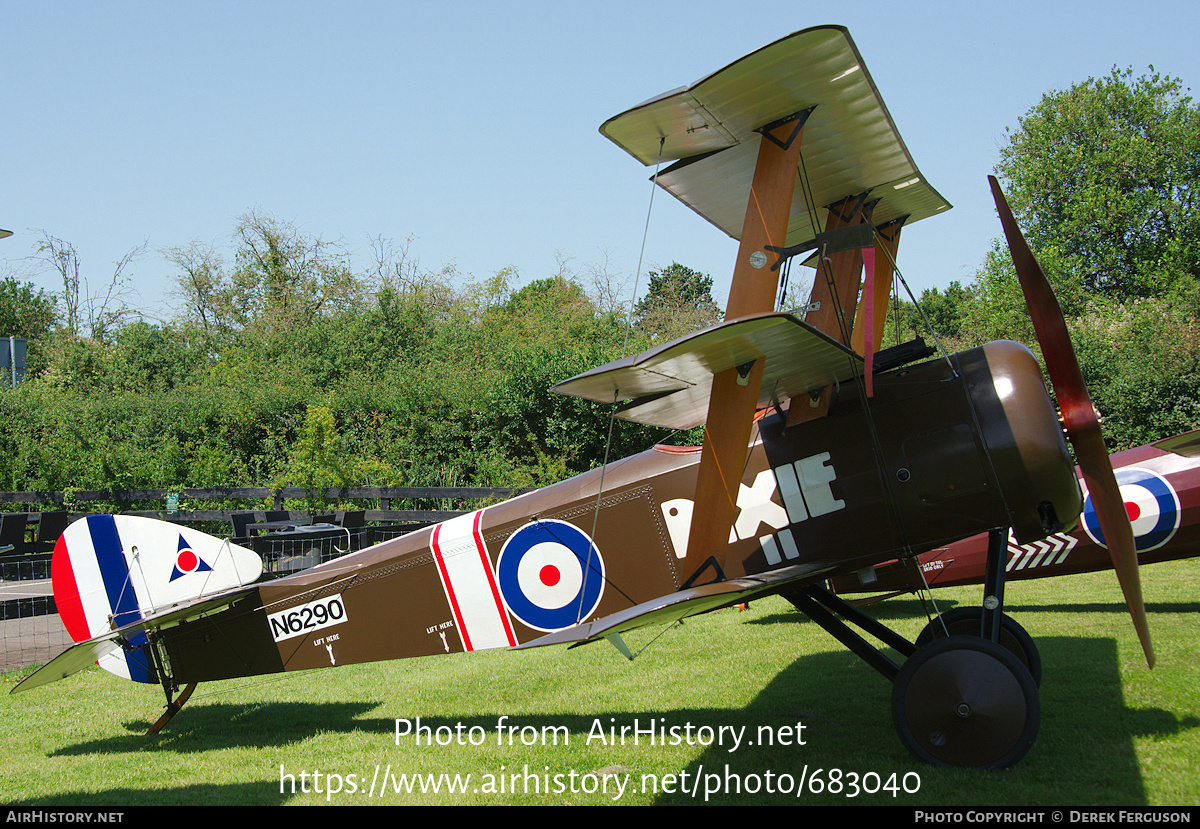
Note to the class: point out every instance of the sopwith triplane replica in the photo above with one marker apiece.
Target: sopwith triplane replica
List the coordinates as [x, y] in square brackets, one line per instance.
[823, 455]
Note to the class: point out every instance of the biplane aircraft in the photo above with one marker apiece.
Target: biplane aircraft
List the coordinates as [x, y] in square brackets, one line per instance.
[823, 455]
[1160, 488]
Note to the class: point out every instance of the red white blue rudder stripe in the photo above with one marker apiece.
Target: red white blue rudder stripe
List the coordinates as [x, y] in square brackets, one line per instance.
[109, 571]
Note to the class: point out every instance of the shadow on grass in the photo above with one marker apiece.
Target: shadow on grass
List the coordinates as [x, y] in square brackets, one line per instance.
[1084, 752]
[118, 799]
[1107, 607]
[884, 611]
[215, 726]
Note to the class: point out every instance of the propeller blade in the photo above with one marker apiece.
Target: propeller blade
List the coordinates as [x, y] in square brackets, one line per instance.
[1080, 418]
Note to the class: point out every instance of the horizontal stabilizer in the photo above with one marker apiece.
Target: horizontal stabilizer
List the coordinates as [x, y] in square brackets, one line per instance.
[670, 385]
[85, 653]
[675, 606]
[112, 570]
[1187, 444]
[71, 661]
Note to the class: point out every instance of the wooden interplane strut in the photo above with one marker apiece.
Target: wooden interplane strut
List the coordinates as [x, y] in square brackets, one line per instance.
[834, 295]
[735, 391]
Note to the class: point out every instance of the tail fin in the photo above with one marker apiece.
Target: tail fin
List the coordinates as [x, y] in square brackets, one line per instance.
[112, 570]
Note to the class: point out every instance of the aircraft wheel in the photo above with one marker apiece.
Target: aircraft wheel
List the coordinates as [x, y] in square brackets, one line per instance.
[966, 701]
[966, 621]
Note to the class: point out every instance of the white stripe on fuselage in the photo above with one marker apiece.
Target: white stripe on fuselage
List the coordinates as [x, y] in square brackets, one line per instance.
[469, 581]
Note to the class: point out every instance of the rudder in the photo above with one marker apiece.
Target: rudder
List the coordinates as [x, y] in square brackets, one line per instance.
[109, 571]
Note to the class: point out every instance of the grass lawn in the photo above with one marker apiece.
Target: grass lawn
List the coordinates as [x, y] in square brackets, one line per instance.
[536, 727]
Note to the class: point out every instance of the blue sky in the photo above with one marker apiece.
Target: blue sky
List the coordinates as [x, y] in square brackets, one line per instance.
[472, 127]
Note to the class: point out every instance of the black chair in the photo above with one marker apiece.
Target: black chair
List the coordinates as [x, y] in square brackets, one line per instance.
[52, 524]
[356, 522]
[50, 527]
[241, 522]
[12, 531]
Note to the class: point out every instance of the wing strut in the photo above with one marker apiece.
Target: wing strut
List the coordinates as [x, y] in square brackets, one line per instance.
[834, 294]
[735, 391]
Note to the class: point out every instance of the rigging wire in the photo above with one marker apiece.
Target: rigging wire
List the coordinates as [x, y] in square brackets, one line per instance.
[893, 507]
[924, 320]
[612, 419]
[642, 253]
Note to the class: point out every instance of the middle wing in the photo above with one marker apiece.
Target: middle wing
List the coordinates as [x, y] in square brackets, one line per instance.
[680, 605]
[670, 385]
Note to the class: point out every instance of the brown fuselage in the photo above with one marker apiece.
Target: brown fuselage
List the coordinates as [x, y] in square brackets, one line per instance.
[1165, 510]
[942, 450]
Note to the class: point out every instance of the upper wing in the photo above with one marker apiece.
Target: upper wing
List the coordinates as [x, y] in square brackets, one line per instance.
[670, 385]
[851, 145]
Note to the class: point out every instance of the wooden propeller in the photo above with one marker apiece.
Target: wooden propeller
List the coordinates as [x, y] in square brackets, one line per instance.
[1080, 418]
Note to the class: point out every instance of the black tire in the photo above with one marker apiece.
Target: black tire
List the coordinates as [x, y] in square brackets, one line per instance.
[966, 701]
[968, 621]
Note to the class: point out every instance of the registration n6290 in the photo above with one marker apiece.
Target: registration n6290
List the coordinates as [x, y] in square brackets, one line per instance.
[298, 621]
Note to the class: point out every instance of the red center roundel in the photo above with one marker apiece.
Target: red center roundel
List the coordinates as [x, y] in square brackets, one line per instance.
[1151, 503]
[550, 575]
[186, 560]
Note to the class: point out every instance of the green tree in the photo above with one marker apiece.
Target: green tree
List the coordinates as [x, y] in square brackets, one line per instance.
[1142, 362]
[282, 278]
[29, 312]
[25, 311]
[1105, 180]
[677, 302]
[88, 313]
[944, 311]
[202, 286]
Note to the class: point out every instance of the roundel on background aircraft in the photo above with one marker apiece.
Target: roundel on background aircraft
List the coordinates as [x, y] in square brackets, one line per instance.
[550, 574]
[1152, 504]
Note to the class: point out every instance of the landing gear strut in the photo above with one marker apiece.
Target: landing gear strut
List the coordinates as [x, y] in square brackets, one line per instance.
[966, 693]
[175, 697]
[968, 621]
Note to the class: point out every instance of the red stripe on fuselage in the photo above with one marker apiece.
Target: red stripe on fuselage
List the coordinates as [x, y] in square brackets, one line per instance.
[458, 619]
[477, 534]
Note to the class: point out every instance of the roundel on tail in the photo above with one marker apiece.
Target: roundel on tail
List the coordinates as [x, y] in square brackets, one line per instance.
[1152, 504]
[187, 561]
[550, 574]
